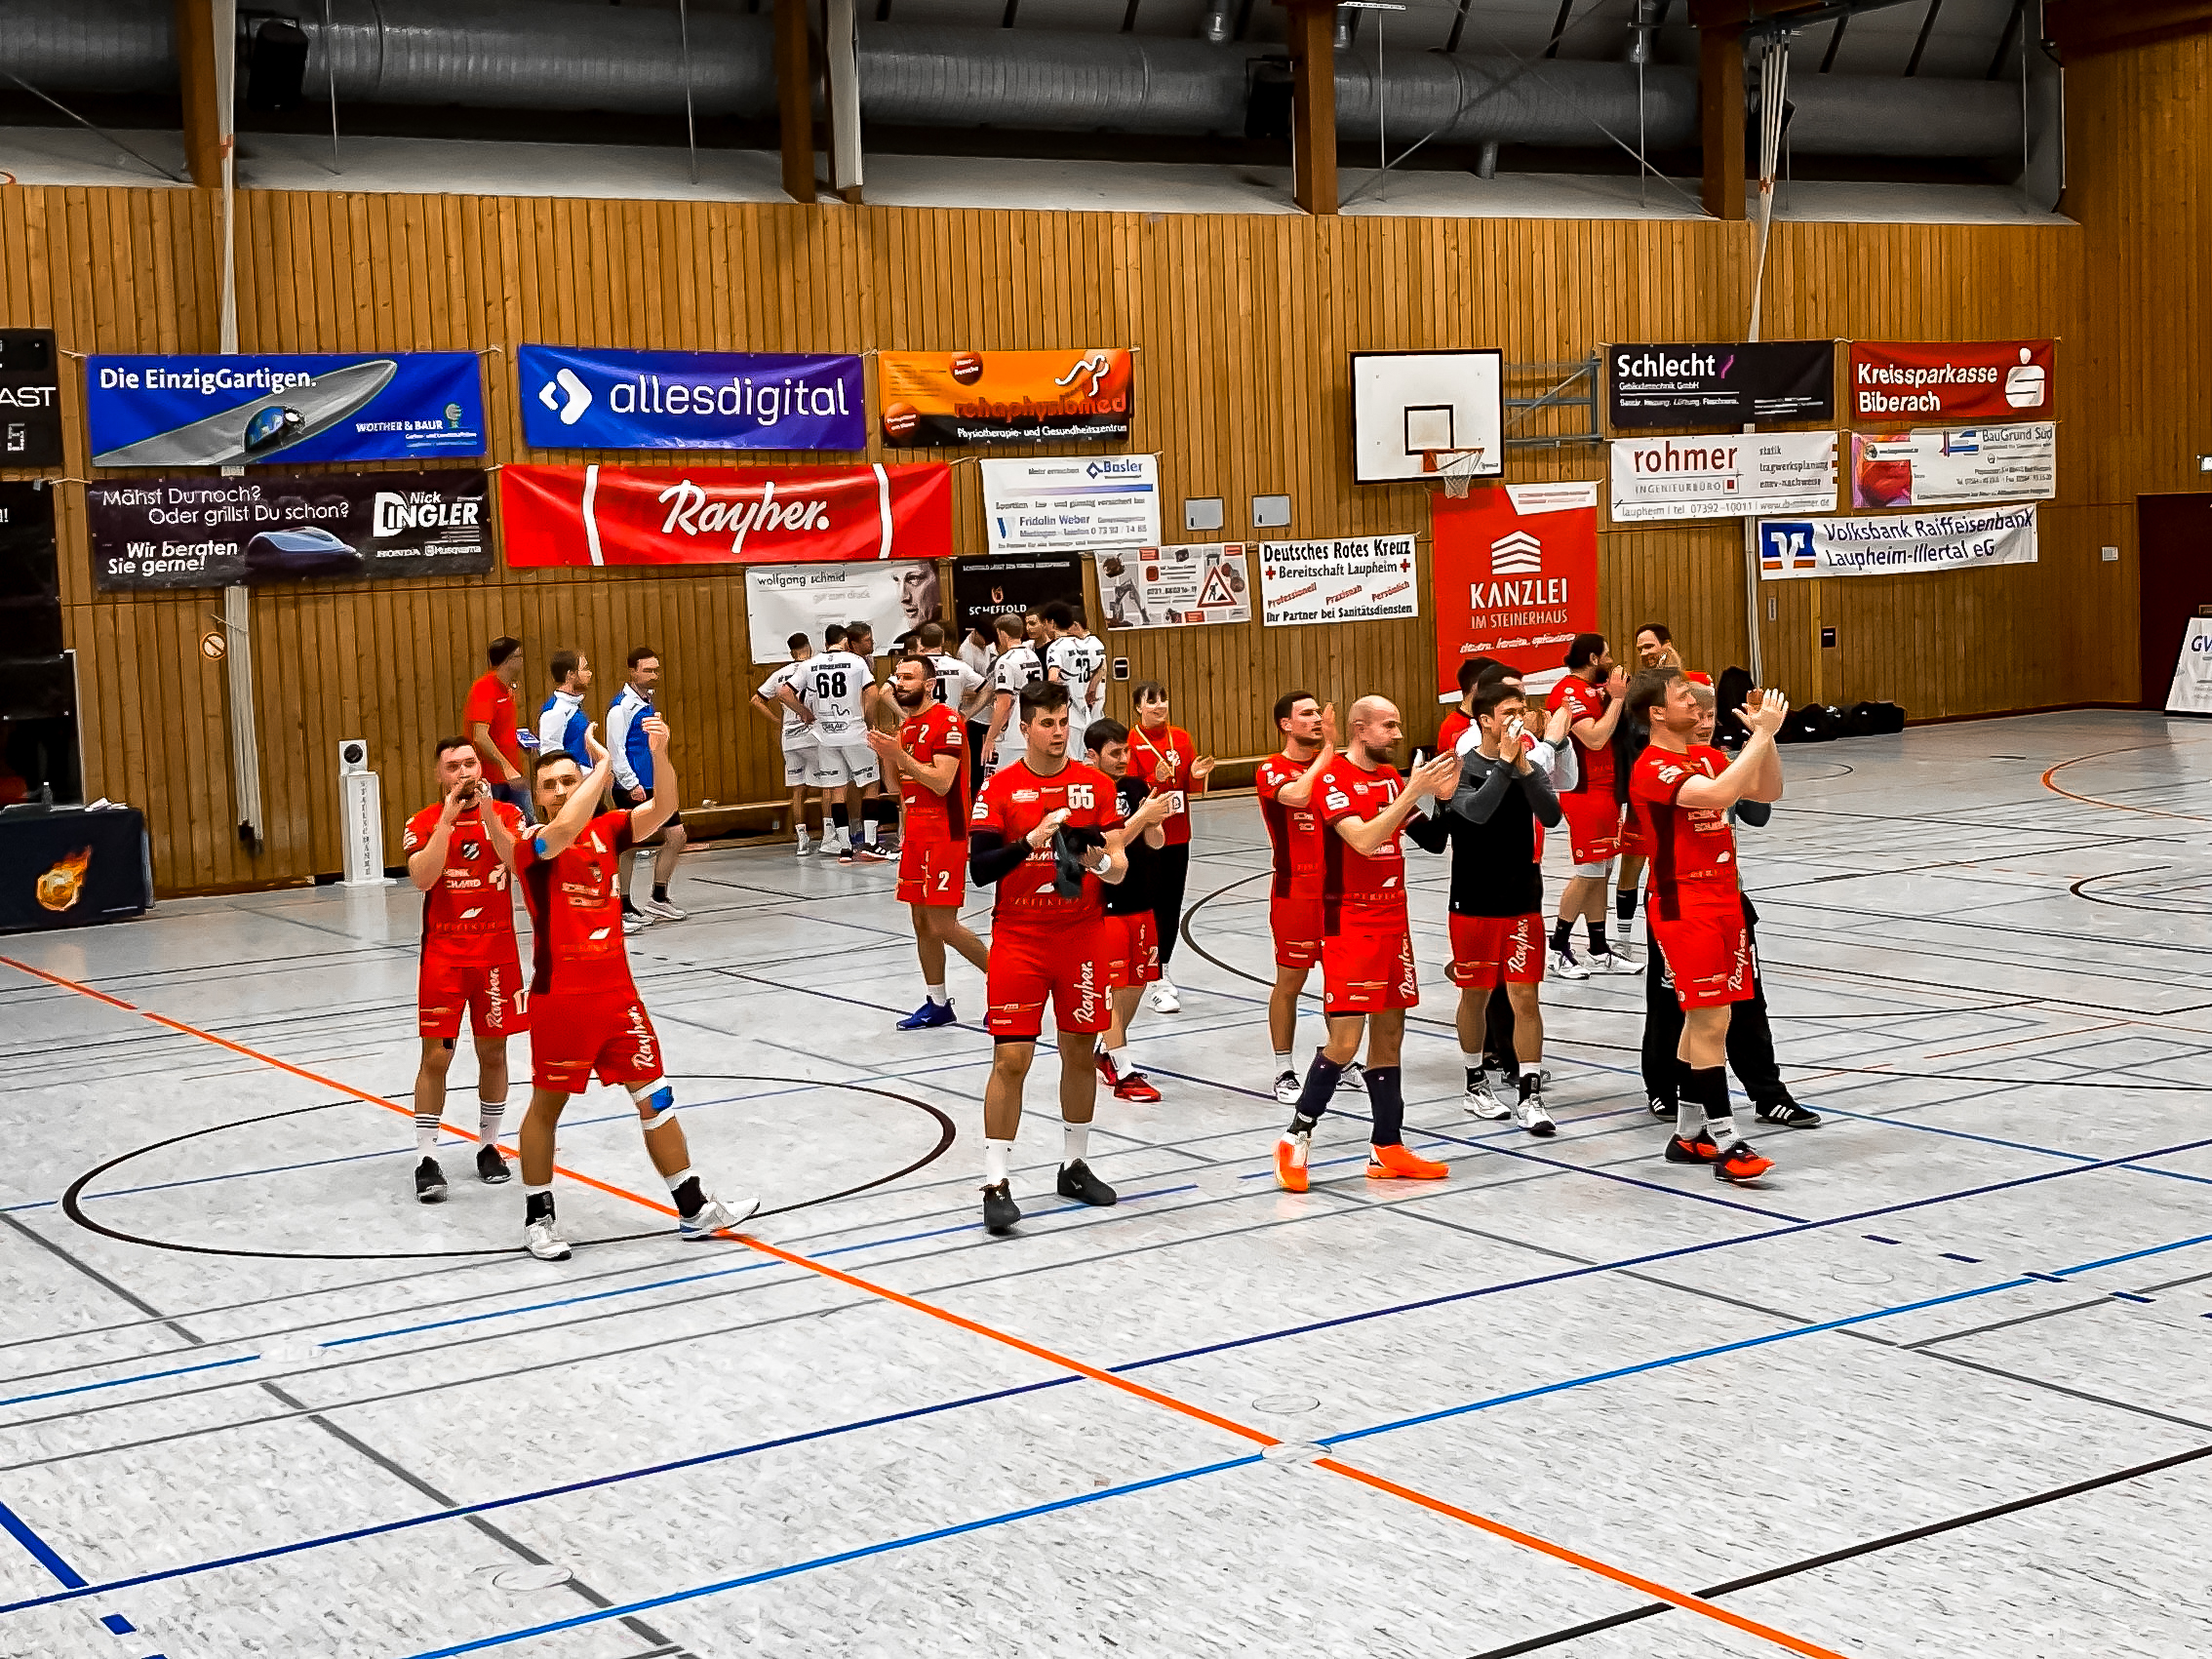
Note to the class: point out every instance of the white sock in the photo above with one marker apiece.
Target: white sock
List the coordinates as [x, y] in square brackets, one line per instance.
[678, 1178]
[1284, 1063]
[490, 1114]
[940, 995]
[1472, 1060]
[1689, 1117]
[1119, 1060]
[425, 1134]
[997, 1158]
[1723, 1131]
[1075, 1141]
[868, 832]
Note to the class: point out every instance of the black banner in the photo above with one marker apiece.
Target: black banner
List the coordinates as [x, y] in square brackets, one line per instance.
[207, 532]
[1650, 386]
[30, 398]
[982, 587]
[65, 869]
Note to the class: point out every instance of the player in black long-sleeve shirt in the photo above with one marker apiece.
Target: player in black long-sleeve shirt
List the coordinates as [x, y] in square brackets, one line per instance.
[1497, 895]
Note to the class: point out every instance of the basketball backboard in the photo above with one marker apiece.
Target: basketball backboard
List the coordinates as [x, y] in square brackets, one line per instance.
[1410, 404]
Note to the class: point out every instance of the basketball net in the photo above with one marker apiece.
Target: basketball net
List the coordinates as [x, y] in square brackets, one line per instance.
[1454, 468]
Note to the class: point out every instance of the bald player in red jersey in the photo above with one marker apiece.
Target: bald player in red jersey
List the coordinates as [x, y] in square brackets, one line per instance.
[1368, 944]
[928, 759]
[588, 1018]
[1684, 790]
[1285, 784]
[458, 854]
[1038, 833]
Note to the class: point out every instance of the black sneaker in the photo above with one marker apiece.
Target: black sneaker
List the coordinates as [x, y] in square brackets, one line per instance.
[1659, 1108]
[1787, 1114]
[1078, 1182]
[491, 1167]
[429, 1182]
[1000, 1211]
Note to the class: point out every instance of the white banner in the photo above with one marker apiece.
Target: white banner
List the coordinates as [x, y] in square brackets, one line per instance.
[1911, 544]
[1174, 587]
[1729, 475]
[783, 600]
[2192, 692]
[1952, 466]
[1070, 503]
[1358, 580]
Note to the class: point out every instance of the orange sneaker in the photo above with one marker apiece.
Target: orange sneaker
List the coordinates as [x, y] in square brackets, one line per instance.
[1740, 1164]
[1395, 1164]
[1291, 1162]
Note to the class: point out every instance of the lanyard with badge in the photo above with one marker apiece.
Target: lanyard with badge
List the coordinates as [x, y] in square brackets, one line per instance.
[1175, 799]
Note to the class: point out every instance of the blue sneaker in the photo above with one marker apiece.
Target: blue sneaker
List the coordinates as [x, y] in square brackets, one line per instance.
[927, 1016]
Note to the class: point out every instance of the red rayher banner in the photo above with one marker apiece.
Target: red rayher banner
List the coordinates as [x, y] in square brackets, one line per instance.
[1516, 575]
[1991, 380]
[753, 515]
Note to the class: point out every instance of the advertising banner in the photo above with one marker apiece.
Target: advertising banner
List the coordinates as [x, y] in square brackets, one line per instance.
[1074, 502]
[1952, 465]
[1363, 579]
[941, 399]
[30, 398]
[1913, 544]
[1727, 475]
[783, 600]
[204, 531]
[1719, 385]
[1175, 587]
[755, 515]
[2191, 689]
[1998, 380]
[1514, 574]
[982, 588]
[242, 411]
[577, 397]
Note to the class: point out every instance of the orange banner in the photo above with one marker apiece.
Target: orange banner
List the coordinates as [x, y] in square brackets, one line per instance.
[944, 399]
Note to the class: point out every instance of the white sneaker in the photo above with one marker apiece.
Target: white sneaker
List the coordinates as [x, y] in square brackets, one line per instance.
[1354, 1079]
[1288, 1089]
[1565, 967]
[805, 848]
[1529, 1111]
[635, 923]
[717, 1214]
[1163, 997]
[1624, 929]
[1613, 962]
[1482, 1100]
[541, 1240]
[661, 910]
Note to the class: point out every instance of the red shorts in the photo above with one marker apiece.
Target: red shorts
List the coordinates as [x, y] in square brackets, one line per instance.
[1488, 950]
[1296, 917]
[579, 1033]
[1367, 964]
[1067, 965]
[932, 872]
[1635, 843]
[1594, 826]
[1132, 949]
[493, 993]
[1705, 946]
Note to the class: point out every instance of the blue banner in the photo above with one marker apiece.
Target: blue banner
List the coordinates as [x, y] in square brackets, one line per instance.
[588, 398]
[244, 410]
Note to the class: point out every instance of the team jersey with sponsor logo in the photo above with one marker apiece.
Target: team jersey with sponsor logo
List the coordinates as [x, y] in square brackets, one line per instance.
[1077, 662]
[1691, 847]
[1293, 832]
[574, 913]
[930, 735]
[1172, 744]
[834, 687]
[796, 733]
[1013, 803]
[1589, 702]
[1369, 883]
[1013, 670]
[956, 681]
[468, 913]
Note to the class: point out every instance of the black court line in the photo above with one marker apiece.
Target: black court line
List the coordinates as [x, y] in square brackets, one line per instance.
[1852, 1551]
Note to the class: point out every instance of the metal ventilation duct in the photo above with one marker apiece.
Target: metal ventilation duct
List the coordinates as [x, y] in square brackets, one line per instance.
[556, 55]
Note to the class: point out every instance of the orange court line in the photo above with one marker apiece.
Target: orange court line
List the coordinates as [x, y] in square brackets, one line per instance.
[2115, 805]
[1198, 1413]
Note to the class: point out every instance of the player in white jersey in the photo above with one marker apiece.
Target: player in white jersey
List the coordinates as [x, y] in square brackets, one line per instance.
[835, 696]
[1074, 661]
[1017, 665]
[955, 683]
[979, 651]
[798, 736]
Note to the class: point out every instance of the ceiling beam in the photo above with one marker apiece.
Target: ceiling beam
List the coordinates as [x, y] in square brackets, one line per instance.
[1720, 113]
[2090, 28]
[795, 81]
[1312, 29]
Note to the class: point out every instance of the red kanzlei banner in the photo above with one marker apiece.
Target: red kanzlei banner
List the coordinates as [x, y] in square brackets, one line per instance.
[1515, 572]
[621, 515]
[1991, 380]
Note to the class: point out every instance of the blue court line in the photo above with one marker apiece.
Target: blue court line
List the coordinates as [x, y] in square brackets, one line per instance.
[41, 1552]
[121, 1382]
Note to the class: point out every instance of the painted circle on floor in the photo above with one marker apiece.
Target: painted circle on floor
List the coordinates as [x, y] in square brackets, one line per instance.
[72, 1201]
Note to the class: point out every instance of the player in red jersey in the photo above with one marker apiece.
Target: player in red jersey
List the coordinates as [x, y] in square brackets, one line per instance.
[1285, 784]
[1654, 648]
[929, 758]
[1167, 759]
[458, 854]
[1461, 720]
[1591, 690]
[1683, 791]
[1038, 833]
[587, 1017]
[1367, 945]
[1130, 928]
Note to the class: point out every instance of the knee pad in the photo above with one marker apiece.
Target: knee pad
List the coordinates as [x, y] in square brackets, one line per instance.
[660, 1107]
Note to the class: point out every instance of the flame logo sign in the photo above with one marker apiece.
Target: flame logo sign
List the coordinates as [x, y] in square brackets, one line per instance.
[58, 888]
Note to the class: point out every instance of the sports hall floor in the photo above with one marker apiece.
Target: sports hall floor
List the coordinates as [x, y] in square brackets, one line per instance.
[1939, 1387]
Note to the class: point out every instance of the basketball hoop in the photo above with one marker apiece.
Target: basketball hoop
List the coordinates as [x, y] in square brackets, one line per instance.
[1456, 468]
